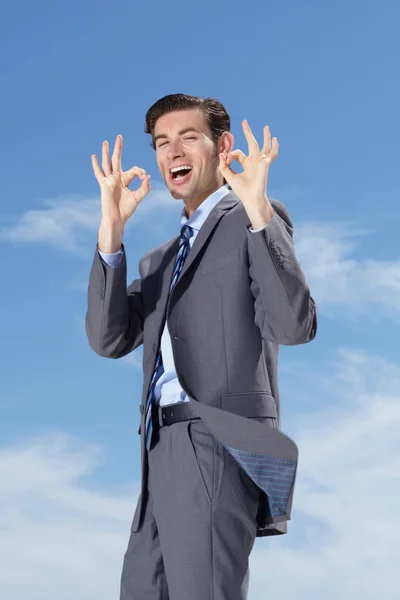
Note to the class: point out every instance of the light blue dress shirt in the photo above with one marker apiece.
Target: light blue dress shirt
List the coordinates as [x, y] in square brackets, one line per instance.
[168, 389]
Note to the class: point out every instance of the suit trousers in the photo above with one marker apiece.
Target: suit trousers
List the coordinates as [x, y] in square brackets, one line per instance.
[199, 525]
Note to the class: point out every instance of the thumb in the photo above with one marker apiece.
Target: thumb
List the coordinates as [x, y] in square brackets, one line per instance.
[225, 169]
[144, 189]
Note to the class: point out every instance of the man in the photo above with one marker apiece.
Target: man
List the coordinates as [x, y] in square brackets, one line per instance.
[211, 307]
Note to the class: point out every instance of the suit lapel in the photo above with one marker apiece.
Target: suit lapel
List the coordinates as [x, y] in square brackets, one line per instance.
[206, 230]
[169, 251]
[163, 269]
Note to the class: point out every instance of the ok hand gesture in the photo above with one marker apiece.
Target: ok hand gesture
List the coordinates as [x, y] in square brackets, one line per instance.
[118, 202]
[250, 185]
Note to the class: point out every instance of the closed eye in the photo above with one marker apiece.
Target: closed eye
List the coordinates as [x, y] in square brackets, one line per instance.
[186, 138]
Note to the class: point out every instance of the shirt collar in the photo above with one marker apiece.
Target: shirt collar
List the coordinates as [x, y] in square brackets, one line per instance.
[201, 213]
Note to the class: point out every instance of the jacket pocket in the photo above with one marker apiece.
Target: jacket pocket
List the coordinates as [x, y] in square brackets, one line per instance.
[212, 265]
[254, 405]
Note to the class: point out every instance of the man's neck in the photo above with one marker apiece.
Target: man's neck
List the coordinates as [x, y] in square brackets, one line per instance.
[192, 204]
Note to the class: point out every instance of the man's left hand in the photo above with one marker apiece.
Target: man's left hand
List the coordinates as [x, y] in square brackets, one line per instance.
[251, 184]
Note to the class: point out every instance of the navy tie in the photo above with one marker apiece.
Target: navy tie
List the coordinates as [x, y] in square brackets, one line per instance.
[183, 249]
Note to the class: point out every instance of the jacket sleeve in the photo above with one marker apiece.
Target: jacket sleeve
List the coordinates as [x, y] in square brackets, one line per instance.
[115, 313]
[285, 311]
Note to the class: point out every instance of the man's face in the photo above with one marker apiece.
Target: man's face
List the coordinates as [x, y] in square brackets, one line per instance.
[186, 141]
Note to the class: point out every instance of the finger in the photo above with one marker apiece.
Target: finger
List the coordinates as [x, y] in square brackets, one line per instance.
[116, 157]
[106, 163]
[275, 147]
[128, 176]
[273, 152]
[236, 155]
[251, 140]
[267, 140]
[225, 169]
[98, 173]
[144, 189]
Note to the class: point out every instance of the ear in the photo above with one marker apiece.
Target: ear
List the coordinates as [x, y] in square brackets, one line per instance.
[226, 142]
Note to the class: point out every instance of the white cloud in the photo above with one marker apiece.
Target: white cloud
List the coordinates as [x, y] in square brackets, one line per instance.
[64, 222]
[345, 524]
[59, 539]
[62, 538]
[358, 286]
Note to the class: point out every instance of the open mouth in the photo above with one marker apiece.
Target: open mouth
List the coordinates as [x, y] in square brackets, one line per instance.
[180, 174]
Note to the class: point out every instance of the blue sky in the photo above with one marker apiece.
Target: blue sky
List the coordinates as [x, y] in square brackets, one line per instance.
[323, 76]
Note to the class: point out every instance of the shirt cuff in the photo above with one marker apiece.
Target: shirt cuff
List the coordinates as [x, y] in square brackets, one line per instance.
[111, 259]
[261, 228]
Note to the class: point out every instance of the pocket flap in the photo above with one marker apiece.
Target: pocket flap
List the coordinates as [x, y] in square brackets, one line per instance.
[250, 404]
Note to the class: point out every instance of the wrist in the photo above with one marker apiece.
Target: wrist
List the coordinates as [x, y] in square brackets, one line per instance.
[260, 214]
[110, 237]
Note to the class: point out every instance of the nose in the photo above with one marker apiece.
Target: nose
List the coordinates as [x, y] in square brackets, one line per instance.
[175, 149]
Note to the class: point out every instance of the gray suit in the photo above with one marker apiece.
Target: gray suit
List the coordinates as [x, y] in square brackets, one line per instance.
[239, 296]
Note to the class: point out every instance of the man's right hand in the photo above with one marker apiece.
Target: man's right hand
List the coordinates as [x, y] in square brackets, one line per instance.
[118, 202]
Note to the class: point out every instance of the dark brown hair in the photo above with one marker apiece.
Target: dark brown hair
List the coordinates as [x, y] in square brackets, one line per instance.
[217, 118]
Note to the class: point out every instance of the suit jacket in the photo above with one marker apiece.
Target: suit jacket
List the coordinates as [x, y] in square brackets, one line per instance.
[239, 296]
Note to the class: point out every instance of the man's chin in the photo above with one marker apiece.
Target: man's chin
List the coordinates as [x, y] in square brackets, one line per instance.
[180, 192]
[176, 194]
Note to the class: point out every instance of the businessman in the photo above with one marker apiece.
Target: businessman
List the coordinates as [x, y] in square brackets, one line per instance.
[211, 307]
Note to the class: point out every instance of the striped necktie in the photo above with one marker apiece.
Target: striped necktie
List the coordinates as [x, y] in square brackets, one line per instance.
[183, 249]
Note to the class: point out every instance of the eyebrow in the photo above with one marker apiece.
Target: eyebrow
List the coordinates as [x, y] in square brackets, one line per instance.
[181, 132]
